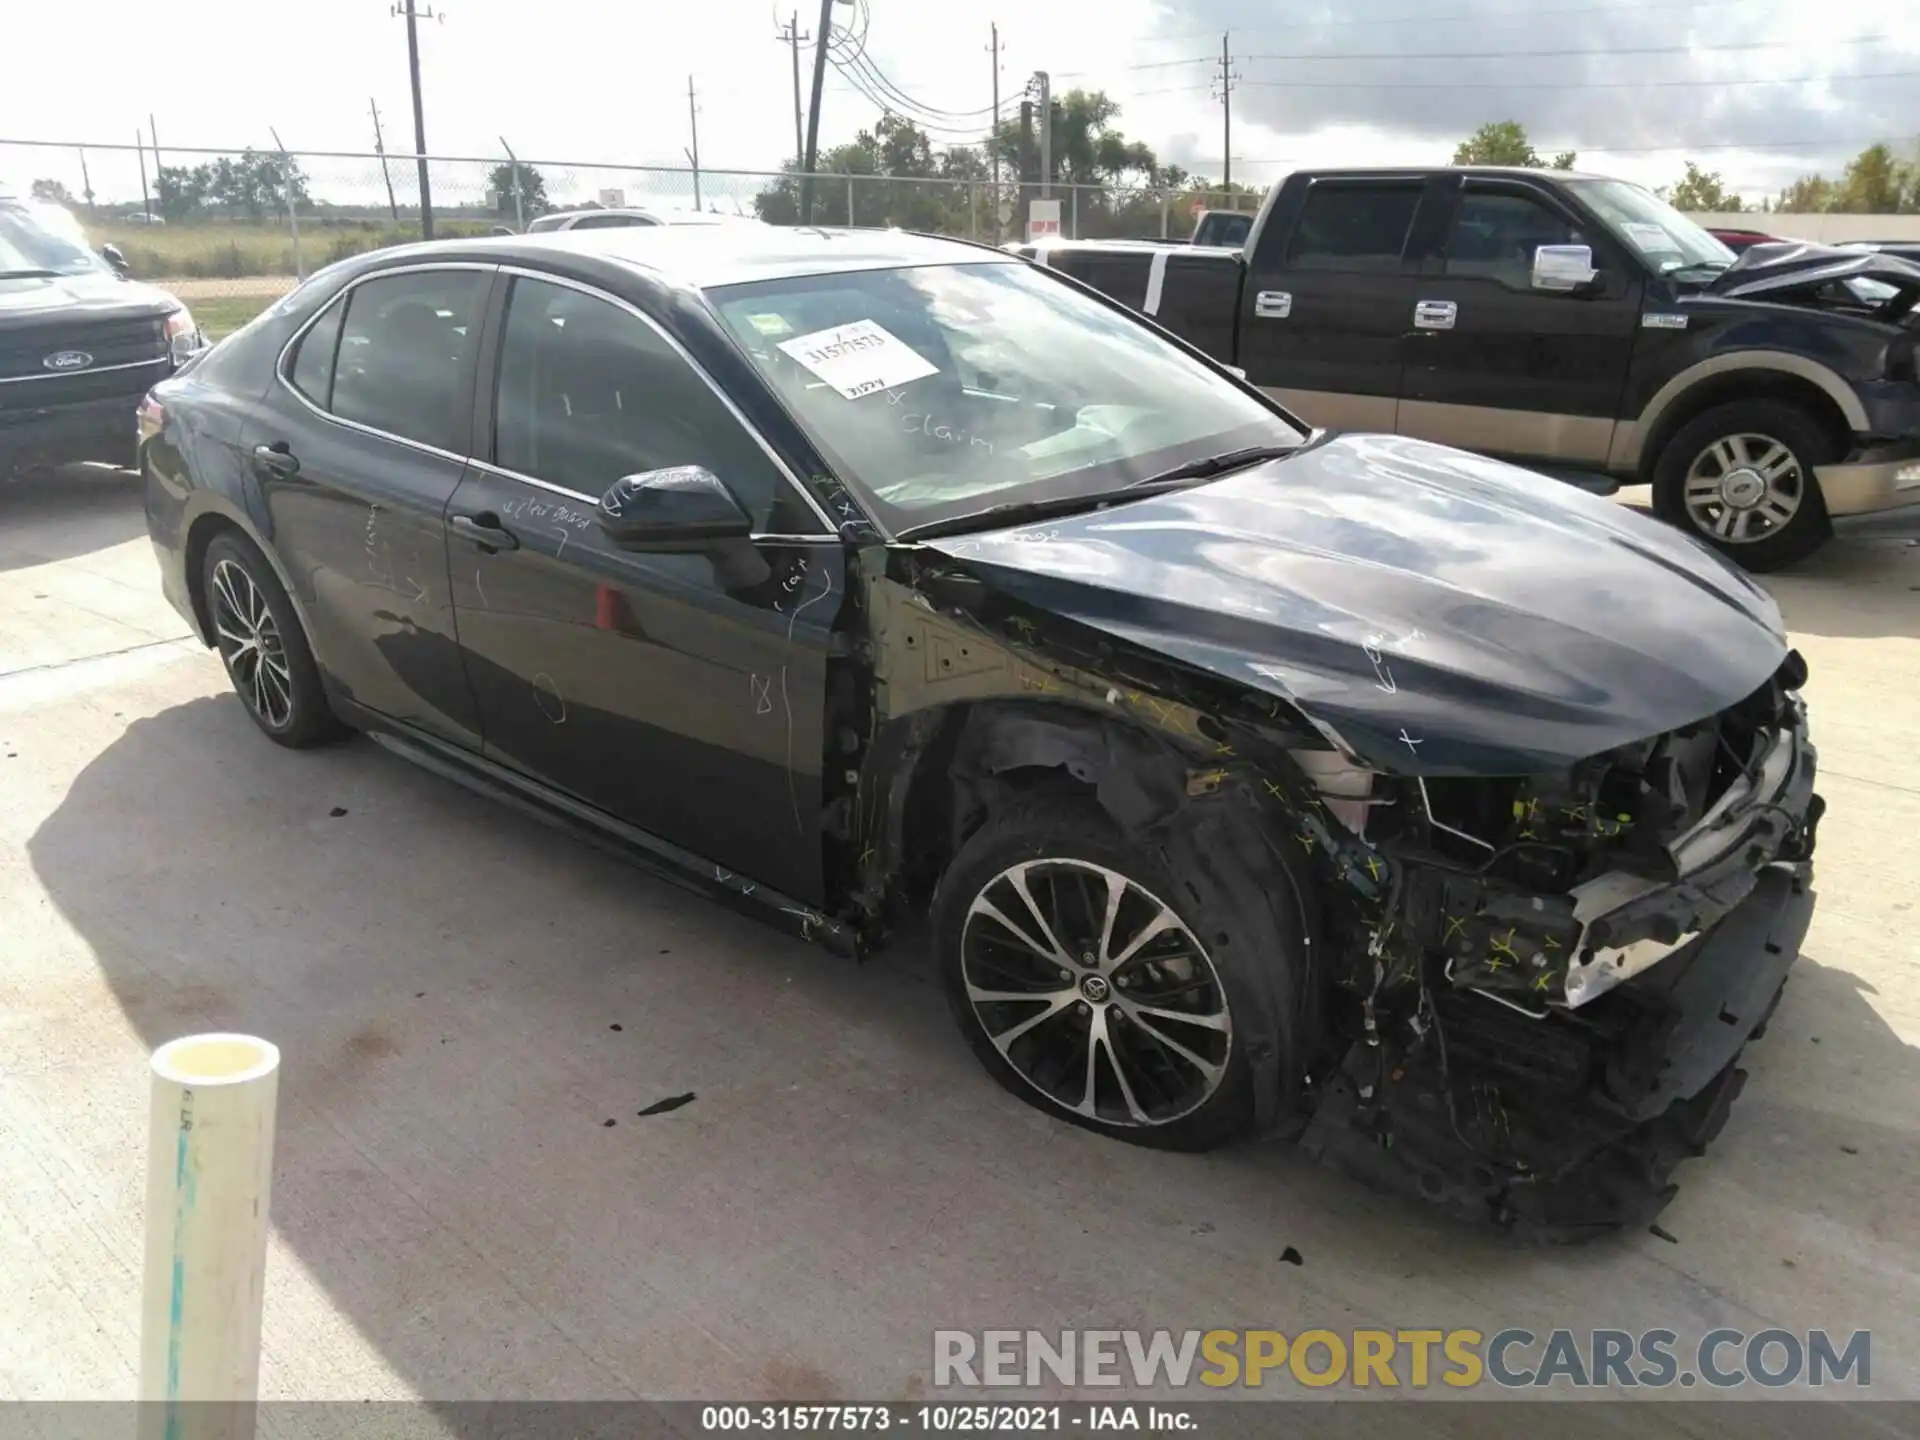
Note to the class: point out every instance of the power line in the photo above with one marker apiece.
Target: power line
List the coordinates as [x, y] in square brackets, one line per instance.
[1416, 17]
[865, 67]
[1609, 51]
[1423, 55]
[1554, 84]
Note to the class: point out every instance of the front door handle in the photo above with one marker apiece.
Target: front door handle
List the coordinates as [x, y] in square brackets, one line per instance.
[1273, 304]
[1434, 314]
[486, 531]
[276, 461]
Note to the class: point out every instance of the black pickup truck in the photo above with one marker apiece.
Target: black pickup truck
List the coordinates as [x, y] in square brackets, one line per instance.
[1574, 324]
[79, 344]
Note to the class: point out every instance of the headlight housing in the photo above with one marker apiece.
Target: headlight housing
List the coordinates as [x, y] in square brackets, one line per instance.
[184, 339]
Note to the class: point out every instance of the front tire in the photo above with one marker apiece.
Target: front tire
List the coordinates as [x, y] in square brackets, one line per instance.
[1093, 983]
[265, 650]
[1740, 477]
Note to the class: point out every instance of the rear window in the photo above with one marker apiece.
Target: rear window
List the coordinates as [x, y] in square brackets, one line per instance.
[404, 346]
[1354, 227]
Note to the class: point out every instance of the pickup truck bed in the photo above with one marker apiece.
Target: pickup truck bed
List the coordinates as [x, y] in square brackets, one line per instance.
[1192, 290]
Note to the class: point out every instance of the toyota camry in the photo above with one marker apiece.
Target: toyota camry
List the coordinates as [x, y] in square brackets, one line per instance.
[1256, 779]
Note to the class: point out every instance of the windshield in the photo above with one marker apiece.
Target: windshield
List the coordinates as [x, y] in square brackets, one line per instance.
[28, 242]
[940, 390]
[1665, 238]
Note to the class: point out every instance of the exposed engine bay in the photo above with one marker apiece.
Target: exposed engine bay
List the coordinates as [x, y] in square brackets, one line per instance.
[1519, 953]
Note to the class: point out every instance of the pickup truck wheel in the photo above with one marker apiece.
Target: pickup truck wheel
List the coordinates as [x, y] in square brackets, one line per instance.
[1741, 477]
[1088, 982]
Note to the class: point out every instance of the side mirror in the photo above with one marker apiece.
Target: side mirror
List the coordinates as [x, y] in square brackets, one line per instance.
[111, 254]
[1563, 268]
[683, 507]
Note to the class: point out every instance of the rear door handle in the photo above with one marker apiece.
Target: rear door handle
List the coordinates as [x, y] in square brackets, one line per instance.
[1434, 314]
[486, 531]
[276, 461]
[1273, 304]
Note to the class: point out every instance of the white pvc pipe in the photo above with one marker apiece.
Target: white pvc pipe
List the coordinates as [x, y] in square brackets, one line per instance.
[209, 1180]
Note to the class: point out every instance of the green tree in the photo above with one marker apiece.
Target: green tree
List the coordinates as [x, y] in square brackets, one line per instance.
[895, 181]
[254, 183]
[1500, 142]
[51, 191]
[1564, 160]
[179, 192]
[1875, 183]
[533, 189]
[1807, 195]
[1702, 191]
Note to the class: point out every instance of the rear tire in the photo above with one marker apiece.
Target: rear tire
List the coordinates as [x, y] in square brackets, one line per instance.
[1740, 477]
[261, 643]
[1151, 983]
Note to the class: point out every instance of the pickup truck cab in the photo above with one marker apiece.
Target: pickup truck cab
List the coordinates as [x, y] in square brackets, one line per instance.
[1575, 324]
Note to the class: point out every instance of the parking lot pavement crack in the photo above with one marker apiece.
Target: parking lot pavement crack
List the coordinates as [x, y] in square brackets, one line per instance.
[98, 655]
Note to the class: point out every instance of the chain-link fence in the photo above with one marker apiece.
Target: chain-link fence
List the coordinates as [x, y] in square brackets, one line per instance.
[228, 230]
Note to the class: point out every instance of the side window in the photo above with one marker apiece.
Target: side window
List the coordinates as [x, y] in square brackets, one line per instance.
[610, 222]
[1354, 227]
[1495, 233]
[589, 393]
[312, 370]
[403, 351]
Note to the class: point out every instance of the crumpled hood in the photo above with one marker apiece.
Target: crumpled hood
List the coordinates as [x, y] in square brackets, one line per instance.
[1780, 270]
[1439, 612]
[44, 301]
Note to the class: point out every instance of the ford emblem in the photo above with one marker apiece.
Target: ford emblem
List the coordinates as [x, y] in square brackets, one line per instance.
[68, 360]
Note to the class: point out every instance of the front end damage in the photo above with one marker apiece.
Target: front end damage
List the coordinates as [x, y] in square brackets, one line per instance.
[1528, 995]
[1549, 1000]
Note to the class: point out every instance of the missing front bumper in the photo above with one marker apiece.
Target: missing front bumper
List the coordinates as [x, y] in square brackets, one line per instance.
[1546, 1130]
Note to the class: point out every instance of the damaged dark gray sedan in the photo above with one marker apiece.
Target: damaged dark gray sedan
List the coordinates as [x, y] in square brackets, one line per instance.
[1255, 780]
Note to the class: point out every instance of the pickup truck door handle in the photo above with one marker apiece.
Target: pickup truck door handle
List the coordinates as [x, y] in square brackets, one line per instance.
[276, 461]
[1434, 314]
[486, 531]
[1273, 304]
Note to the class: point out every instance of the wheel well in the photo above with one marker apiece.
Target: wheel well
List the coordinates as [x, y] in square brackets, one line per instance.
[1754, 384]
[203, 533]
[957, 765]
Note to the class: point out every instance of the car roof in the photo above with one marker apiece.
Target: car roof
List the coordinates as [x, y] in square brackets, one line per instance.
[705, 257]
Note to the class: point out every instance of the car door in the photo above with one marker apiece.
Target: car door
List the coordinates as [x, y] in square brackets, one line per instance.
[682, 693]
[1323, 325]
[1497, 366]
[362, 445]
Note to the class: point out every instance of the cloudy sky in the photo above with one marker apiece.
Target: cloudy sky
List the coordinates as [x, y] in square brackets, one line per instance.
[1760, 90]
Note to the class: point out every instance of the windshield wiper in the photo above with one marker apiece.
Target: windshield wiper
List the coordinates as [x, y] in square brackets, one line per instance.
[1019, 512]
[31, 274]
[1208, 466]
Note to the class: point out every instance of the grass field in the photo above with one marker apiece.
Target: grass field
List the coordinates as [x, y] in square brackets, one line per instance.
[220, 315]
[228, 249]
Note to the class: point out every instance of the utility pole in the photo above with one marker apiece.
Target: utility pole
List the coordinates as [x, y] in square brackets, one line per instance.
[293, 213]
[791, 36]
[513, 176]
[153, 134]
[1225, 80]
[813, 113]
[86, 180]
[140, 144]
[993, 145]
[693, 155]
[414, 16]
[1043, 102]
[380, 149]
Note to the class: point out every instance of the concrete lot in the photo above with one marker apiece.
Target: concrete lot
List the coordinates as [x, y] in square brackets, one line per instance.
[465, 1000]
